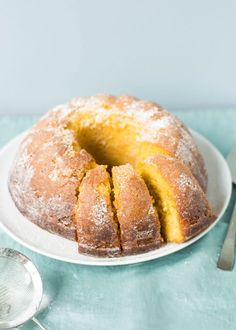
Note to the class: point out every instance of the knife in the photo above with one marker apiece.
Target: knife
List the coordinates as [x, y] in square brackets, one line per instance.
[227, 255]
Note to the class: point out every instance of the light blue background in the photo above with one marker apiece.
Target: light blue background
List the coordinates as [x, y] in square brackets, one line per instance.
[179, 53]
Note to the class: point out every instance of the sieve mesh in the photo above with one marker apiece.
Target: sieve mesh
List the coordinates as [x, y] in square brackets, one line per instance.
[20, 289]
[16, 289]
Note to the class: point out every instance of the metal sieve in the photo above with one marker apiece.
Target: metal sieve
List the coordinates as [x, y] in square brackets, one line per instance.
[21, 289]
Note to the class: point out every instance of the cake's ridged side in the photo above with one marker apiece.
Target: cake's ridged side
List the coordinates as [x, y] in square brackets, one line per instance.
[97, 231]
[46, 174]
[138, 219]
[190, 204]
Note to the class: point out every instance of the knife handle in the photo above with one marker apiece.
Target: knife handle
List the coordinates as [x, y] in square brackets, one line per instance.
[227, 255]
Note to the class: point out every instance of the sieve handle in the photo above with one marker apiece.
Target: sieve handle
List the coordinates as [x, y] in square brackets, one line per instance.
[36, 321]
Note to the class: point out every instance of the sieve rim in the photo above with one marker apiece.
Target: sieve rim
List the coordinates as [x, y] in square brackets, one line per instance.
[31, 269]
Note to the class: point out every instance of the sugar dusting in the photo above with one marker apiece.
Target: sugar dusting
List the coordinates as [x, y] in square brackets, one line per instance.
[61, 170]
[109, 251]
[136, 213]
[151, 122]
[99, 213]
[24, 194]
[60, 112]
[184, 182]
[49, 205]
[150, 230]
[22, 173]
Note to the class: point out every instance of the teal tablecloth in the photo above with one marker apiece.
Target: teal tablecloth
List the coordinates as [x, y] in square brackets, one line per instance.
[182, 291]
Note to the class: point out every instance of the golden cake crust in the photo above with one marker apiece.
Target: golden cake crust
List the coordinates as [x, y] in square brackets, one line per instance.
[46, 174]
[137, 217]
[192, 206]
[50, 165]
[97, 231]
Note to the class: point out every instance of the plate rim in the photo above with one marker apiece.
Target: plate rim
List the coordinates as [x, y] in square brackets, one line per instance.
[133, 259]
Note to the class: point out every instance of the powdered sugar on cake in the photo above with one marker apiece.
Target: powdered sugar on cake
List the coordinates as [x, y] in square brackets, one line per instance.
[184, 183]
[64, 165]
[100, 214]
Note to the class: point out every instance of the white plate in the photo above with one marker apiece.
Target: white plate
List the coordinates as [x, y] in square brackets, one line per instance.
[39, 240]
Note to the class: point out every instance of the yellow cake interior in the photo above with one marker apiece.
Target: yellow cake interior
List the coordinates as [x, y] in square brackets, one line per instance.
[112, 141]
[164, 201]
[103, 139]
[104, 187]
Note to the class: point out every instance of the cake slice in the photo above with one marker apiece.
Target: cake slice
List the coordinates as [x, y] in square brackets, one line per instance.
[137, 217]
[97, 231]
[182, 205]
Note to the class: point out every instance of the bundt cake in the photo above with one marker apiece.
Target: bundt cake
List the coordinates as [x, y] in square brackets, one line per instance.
[57, 172]
[137, 217]
[97, 230]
